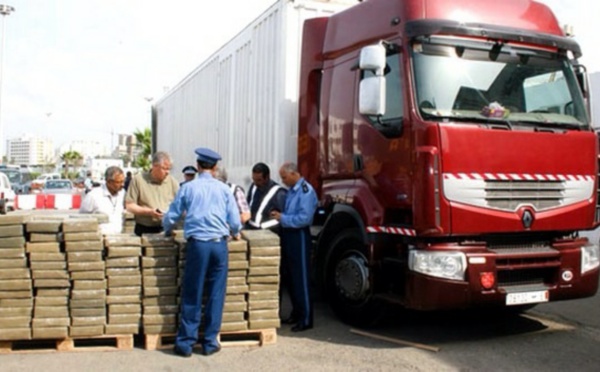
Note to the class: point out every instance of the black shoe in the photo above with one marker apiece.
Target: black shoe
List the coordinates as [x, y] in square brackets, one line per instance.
[209, 352]
[301, 327]
[289, 320]
[182, 353]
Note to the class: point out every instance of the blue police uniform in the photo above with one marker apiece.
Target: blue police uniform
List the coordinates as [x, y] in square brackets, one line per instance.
[211, 214]
[295, 220]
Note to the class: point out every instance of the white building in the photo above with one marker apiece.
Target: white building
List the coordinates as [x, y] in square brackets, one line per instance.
[87, 149]
[98, 166]
[29, 150]
[126, 148]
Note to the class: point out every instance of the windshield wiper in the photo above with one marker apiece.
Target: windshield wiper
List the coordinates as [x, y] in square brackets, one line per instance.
[550, 125]
[469, 119]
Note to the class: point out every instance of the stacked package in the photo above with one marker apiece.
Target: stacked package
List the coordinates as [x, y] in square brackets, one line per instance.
[124, 283]
[16, 297]
[234, 311]
[263, 279]
[180, 242]
[50, 278]
[160, 289]
[85, 262]
[128, 223]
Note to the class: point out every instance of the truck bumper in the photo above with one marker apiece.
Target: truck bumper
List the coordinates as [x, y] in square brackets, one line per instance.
[553, 276]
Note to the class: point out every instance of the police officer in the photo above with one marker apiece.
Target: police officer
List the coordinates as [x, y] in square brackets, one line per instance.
[210, 215]
[295, 221]
[264, 196]
[189, 173]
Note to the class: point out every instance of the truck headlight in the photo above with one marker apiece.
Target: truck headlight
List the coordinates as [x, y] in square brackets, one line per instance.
[590, 257]
[447, 265]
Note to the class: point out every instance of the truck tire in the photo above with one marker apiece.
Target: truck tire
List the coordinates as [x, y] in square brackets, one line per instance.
[348, 282]
[2, 206]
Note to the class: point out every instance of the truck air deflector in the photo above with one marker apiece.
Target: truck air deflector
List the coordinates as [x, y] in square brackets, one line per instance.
[430, 27]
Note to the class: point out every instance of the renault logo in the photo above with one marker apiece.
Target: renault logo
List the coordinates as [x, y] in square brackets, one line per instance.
[527, 219]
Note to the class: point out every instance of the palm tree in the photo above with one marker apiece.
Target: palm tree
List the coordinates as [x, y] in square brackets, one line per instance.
[78, 161]
[144, 141]
[70, 158]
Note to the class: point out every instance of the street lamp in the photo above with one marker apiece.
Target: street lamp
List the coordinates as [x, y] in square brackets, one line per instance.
[4, 10]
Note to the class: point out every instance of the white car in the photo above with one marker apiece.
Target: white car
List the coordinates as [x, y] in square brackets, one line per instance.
[7, 195]
[39, 182]
[42, 178]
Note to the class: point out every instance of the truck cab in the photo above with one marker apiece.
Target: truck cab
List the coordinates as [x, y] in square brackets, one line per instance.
[452, 149]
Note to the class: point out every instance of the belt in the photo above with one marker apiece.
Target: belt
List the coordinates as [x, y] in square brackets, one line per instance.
[213, 240]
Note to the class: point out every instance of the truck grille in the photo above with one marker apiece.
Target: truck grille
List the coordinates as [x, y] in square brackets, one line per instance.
[526, 264]
[510, 194]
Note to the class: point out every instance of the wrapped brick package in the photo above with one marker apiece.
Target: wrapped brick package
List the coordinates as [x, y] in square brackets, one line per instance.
[60, 277]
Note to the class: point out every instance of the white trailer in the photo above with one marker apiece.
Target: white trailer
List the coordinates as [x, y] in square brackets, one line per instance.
[242, 101]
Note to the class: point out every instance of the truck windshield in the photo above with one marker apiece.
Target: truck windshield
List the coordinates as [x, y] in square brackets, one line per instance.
[474, 81]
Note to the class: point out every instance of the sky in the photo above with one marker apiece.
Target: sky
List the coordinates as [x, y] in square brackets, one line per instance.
[88, 69]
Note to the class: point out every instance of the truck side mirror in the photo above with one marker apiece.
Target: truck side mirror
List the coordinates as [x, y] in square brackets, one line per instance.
[371, 96]
[372, 58]
[584, 84]
[582, 79]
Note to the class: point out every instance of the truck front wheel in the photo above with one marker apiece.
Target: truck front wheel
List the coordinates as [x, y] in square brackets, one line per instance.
[348, 281]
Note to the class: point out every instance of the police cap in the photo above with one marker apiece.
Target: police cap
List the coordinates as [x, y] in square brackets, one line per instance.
[207, 155]
[190, 169]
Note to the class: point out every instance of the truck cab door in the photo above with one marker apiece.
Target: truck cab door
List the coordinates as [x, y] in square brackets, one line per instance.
[381, 146]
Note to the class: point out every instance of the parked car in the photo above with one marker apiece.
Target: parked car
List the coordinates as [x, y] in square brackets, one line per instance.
[37, 184]
[7, 195]
[19, 179]
[59, 186]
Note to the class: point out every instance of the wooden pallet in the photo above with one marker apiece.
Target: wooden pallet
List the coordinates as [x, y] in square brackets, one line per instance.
[258, 337]
[75, 344]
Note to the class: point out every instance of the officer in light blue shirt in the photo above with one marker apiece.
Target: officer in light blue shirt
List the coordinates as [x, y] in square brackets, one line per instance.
[295, 220]
[211, 216]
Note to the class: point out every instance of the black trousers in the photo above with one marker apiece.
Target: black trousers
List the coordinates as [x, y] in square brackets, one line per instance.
[142, 229]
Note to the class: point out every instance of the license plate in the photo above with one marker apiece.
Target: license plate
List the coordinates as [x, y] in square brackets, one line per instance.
[520, 298]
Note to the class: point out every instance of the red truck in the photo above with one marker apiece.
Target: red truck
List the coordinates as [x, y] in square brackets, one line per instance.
[453, 153]
[449, 142]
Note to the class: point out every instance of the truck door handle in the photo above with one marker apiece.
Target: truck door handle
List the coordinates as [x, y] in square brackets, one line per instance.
[358, 163]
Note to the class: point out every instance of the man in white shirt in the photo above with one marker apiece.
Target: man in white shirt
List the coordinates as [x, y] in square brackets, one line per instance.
[108, 199]
[88, 183]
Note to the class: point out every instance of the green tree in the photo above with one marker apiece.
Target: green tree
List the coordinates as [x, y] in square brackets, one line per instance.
[143, 140]
[70, 158]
